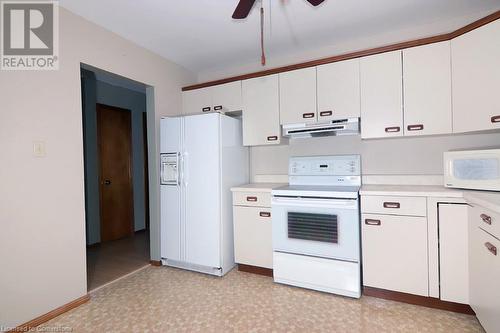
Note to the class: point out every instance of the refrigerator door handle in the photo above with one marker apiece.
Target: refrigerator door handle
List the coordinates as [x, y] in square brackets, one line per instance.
[185, 170]
[179, 169]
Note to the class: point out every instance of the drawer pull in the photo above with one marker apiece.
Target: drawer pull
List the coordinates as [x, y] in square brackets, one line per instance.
[486, 218]
[265, 214]
[217, 107]
[492, 248]
[325, 113]
[392, 205]
[308, 115]
[272, 138]
[372, 222]
[252, 199]
[393, 129]
[495, 119]
[206, 109]
[418, 127]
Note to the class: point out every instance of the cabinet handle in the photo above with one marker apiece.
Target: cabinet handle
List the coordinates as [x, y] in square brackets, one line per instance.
[265, 214]
[206, 109]
[217, 107]
[272, 138]
[372, 222]
[492, 248]
[392, 205]
[252, 199]
[495, 119]
[308, 115]
[486, 218]
[417, 127]
[393, 129]
[325, 113]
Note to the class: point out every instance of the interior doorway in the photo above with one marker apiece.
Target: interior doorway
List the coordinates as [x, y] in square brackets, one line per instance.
[116, 176]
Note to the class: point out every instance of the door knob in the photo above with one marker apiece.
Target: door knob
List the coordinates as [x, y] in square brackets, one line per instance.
[107, 182]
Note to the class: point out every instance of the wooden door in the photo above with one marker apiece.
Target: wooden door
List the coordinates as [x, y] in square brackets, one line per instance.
[227, 97]
[298, 96]
[115, 172]
[197, 101]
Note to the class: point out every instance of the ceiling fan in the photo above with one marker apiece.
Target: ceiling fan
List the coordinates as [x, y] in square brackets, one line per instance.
[244, 6]
[243, 9]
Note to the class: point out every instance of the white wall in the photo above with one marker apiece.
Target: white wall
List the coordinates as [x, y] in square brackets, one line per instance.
[394, 156]
[42, 241]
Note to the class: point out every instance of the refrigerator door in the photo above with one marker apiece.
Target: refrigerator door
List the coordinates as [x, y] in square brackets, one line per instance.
[202, 187]
[170, 189]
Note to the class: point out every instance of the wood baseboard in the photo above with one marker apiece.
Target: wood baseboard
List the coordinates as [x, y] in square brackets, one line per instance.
[255, 270]
[33, 324]
[429, 302]
[155, 262]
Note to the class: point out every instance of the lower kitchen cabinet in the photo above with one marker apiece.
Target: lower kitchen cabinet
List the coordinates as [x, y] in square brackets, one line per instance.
[395, 253]
[253, 236]
[484, 258]
[453, 253]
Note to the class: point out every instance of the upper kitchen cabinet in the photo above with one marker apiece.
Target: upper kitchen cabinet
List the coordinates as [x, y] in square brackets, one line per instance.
[227, 97]
[338, 90]
[427, 89]
[476, 78]
[221, 98]
[381, 95]
[261, 119]
[197, 101]
[298, 96]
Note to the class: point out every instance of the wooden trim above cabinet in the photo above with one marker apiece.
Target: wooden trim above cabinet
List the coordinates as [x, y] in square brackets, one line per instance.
[429, 302]
[357, 54]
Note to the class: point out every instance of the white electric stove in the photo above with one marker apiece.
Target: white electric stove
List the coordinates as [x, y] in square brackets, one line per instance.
[316, 225]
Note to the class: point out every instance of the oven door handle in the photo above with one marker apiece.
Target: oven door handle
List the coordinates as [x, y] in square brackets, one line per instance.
[310, 202]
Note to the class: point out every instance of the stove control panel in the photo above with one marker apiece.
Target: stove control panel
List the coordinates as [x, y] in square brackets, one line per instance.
[336, 165]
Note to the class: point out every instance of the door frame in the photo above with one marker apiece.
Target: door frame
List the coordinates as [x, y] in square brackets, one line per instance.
[99, 110]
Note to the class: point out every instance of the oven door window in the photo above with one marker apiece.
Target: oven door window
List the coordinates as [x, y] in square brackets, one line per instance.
[313, 227]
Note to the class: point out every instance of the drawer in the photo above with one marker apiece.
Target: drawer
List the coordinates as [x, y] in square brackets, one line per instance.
[410, 206]
[253, 236]
[256, 199]
[486, 219]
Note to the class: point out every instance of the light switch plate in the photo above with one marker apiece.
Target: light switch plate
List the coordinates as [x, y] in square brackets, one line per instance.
[39, 149]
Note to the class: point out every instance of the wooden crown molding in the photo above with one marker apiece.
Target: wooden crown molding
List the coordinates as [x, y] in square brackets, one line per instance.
[33, 324]
[357, 54]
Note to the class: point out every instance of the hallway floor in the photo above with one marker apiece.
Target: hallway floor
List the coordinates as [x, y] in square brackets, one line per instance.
[164, 299]
[108, 261]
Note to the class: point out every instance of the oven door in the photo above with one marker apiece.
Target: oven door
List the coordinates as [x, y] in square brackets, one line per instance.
[321, 227]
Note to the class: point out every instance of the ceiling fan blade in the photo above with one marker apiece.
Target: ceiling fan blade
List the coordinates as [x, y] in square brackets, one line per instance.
[243, 9]
[315, 2]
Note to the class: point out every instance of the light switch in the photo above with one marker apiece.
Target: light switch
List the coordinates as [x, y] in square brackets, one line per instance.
[39, 149]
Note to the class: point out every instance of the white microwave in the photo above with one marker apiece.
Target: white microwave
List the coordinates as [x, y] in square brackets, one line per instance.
[472, 169]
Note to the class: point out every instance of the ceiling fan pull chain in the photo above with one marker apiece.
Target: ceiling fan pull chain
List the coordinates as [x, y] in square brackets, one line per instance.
[263, 56]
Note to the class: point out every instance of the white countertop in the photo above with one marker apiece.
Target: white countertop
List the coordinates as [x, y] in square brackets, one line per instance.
[490, 200]
[257, 187]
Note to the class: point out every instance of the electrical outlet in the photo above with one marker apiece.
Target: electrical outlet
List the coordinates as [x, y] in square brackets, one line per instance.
[39, 149]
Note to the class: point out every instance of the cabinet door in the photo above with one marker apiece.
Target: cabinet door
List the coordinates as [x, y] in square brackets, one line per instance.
[261, 119]
[338, 90]
[381, 95]
[253, 236]
[476, 78]
[298, 96]
[395, 253]
[427, 89]
[227, 97]
[484, 258]
[197, 101]
[453, 253]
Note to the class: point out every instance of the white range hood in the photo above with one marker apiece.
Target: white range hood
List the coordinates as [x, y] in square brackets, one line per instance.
[348, 126]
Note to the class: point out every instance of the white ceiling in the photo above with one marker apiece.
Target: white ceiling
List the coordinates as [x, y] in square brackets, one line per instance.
[201, 35]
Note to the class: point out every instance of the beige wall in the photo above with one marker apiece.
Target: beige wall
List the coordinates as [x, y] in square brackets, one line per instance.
[42, 237]
[395, 156]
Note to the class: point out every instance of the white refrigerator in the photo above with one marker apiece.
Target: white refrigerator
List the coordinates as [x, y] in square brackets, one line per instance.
[202, 157]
